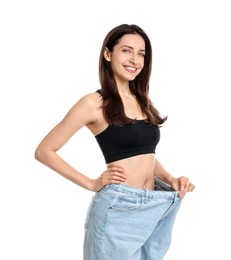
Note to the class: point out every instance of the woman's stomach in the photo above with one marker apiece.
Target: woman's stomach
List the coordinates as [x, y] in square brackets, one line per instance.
[139, 170]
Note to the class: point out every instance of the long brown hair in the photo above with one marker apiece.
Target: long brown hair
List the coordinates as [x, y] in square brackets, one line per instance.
[112, 103]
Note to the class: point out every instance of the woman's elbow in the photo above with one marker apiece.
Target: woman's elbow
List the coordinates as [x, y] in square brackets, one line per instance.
[39, 154]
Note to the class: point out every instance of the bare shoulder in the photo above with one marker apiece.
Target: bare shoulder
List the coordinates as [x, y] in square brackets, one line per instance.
[88, 108]
[91, 100]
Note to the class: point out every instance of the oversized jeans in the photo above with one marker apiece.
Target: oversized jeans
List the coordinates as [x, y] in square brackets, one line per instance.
[126, 223]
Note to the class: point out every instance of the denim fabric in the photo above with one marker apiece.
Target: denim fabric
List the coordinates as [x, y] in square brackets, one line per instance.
[126, 223]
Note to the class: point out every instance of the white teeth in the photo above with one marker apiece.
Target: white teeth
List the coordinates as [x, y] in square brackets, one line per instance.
[130, 68]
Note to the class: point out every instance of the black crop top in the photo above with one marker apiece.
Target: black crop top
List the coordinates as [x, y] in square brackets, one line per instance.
[120, 142]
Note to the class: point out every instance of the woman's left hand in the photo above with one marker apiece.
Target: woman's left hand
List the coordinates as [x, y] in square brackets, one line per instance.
[182, 184]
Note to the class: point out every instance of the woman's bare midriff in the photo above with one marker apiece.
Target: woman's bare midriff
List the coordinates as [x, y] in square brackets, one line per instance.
[139, 170]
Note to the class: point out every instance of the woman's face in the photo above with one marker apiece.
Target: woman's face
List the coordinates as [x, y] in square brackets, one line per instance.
[127, 57]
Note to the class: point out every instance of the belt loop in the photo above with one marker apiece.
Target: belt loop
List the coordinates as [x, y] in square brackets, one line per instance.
[176, 196]
[105, 188]
[143, 195]
[146, 196]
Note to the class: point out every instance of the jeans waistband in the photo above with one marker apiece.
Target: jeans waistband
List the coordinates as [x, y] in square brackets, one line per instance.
[150, 194]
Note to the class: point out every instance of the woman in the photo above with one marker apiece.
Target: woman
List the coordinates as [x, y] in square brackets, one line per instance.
[132, 212]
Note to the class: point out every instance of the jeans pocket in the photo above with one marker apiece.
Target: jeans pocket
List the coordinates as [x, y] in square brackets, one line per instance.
[126, 202]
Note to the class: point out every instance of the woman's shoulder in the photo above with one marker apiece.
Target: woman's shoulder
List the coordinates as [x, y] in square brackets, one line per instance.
[87, 109]
[91, 99]
[89, 104]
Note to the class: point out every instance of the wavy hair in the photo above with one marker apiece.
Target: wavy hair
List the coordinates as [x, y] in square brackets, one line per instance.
[113, 109]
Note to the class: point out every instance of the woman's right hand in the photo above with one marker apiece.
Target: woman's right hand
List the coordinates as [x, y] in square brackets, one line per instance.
[113, 175]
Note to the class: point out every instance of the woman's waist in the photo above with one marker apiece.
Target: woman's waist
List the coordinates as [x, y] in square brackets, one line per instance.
[139, 171]
[143, 161]
[141, 183]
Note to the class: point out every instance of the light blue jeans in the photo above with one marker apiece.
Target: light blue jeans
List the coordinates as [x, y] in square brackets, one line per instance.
[126, 223]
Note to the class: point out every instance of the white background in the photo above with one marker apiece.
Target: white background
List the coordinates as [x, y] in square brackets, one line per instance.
[49, 58]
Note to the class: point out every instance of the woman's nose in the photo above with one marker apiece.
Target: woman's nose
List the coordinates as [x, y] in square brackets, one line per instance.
[133, 58]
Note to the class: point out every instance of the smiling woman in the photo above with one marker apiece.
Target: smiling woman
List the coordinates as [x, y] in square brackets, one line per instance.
[130, 53]
[136, 200]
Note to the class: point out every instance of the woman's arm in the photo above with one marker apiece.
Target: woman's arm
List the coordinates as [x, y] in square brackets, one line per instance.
[181, 184]
[84, 112]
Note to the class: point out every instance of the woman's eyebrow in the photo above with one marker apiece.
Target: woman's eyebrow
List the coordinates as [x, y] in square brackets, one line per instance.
[130, 47]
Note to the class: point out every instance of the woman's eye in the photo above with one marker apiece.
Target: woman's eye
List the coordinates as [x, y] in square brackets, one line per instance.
[126, 50]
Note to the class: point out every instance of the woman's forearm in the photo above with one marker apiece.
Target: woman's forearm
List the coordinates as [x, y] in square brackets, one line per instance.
[52, 160]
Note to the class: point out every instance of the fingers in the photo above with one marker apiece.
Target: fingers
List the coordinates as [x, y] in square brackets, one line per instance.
[113, 175]
[185, 186]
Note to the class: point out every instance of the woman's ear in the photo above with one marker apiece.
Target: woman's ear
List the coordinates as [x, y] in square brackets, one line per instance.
[107, 55]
